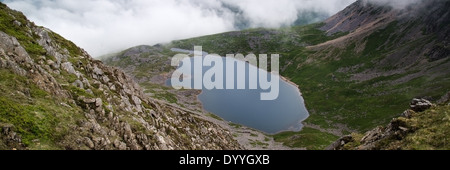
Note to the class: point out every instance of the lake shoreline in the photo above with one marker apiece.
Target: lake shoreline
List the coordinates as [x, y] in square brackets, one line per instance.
[292, 83]
[250, 137]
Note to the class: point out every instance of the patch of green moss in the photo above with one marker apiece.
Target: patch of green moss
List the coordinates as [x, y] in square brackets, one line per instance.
[309, 138]
[67, 77]
[258, 143]
[164, 95]
[77, 92]
[135, 125]
[214, 116]
[38, 116]
[74, 51]
[235, 125]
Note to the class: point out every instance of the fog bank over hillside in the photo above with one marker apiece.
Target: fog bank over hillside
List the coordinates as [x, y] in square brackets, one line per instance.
[398, 4]
[105, 26]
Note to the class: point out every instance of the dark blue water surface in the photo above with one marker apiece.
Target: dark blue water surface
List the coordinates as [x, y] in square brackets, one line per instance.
[246, 107]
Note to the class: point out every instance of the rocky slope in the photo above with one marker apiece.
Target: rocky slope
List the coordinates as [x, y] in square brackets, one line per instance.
[150, 67]
[53, 95]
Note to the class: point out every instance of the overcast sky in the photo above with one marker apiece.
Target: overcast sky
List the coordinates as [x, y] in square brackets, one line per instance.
[105, 26]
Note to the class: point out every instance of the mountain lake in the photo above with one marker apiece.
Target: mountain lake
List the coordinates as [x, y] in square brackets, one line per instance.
[245, 107]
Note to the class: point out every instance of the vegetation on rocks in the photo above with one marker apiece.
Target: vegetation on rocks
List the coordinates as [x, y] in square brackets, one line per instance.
[424, 130]
[309, 138]
[53, 95]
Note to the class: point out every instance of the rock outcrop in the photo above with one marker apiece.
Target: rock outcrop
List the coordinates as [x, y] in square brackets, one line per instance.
[103, 107]
[396, 129]
[420, 105]
[340, 143]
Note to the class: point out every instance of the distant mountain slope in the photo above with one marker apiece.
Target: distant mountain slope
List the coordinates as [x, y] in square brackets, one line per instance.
[388, 57]
[53, 95]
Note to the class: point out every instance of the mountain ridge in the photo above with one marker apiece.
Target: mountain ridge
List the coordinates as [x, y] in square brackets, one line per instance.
[56, 96]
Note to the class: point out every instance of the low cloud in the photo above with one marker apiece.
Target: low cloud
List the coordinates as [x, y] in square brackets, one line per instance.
[276, 13]
[105, 26]
[397, 4]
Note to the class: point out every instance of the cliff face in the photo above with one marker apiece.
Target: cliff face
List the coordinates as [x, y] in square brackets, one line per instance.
[53, 95]
[413, 21]
[424, 20]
